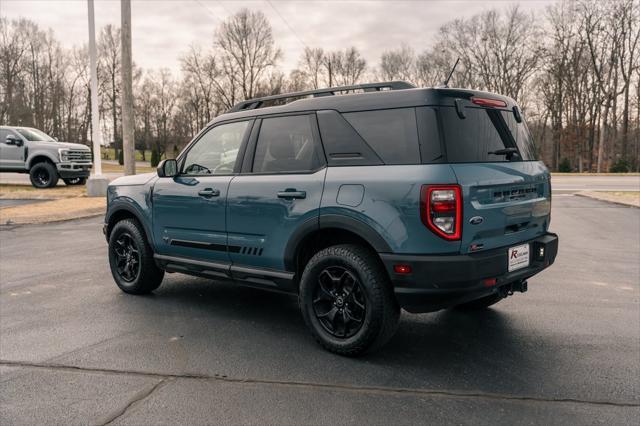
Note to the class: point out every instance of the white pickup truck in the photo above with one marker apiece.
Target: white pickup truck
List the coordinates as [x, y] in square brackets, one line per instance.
[29, 150]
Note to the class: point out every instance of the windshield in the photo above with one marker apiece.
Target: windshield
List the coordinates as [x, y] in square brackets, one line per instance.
[35, 135]
[481, 135]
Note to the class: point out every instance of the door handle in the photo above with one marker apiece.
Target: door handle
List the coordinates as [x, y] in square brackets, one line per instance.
[209, 192]
[292, 193]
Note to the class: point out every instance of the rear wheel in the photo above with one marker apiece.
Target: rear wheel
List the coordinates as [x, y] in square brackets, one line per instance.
[131, 259]
[43, 175]
[75, 181]
[347, 301]
[482, 303]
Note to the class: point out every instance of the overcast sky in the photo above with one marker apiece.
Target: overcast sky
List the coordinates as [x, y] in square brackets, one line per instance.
[163, 30]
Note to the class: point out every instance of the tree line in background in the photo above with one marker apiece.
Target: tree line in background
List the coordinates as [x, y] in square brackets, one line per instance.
[574, 70]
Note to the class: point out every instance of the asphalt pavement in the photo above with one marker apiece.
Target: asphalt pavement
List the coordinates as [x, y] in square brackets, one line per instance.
[76, 350]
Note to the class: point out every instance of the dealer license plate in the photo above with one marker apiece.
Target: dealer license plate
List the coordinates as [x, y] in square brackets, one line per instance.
[518, 257]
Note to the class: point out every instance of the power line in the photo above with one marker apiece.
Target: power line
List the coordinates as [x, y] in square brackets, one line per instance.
[287, 24]
[205, 7]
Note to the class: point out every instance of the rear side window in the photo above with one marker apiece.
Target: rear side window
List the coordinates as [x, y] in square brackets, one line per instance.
[392, 133]
[483, 131]
[286, 144]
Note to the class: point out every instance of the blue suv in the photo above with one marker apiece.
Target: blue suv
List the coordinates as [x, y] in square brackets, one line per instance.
[361, 200]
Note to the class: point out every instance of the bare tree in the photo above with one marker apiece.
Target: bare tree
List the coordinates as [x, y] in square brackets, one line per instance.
[246, 51]
[110, 68]
[312, 63]
[398, 64]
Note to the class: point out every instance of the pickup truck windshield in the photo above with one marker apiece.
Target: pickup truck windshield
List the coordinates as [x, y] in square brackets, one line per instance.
[484, 135]
[35, 135]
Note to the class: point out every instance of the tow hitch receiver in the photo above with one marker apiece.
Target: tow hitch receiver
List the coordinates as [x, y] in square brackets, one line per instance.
[509, 289]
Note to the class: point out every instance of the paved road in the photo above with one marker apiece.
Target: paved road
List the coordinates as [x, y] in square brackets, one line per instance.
[74, 349]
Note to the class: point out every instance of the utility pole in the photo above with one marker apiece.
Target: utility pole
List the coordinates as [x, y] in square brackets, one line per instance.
[128, 143]
[97, 184]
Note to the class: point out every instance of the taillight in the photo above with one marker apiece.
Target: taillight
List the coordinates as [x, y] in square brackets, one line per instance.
[441, 210]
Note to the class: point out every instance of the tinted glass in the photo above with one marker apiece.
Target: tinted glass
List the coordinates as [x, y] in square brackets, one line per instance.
[285, 144]
[216, 151]
[392, 133]
[430, 147]
[473, 138]
[522, 136]
[342, 144]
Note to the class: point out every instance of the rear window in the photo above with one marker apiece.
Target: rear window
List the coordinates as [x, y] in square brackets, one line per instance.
[391, 133]
[484, 131]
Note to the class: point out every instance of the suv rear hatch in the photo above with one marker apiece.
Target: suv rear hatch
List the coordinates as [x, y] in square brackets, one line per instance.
[506, 192]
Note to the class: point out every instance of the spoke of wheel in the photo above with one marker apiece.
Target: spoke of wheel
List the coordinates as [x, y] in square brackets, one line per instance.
[323, 285]
[330, 314]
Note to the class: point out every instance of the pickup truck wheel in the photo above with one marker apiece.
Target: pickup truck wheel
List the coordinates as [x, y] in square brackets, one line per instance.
[43, 175]
[75, 181]
[347, 301]
[131, 259]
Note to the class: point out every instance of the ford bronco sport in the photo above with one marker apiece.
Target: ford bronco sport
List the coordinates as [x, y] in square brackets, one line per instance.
[28, 150]
[359, 203]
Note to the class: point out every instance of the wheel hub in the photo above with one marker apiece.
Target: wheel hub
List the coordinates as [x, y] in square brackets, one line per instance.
[127, 257]
[339, 302]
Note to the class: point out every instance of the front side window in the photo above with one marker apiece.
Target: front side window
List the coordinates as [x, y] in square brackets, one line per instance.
[3, 135]
[215, 153]
[286, 144]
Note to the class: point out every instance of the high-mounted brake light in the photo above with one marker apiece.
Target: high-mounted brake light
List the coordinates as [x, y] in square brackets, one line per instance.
[441, 210]
[486, 102]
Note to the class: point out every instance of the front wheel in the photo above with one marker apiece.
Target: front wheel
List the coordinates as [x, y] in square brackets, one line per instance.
[43, 175]
[75, 181]
[347, 301]
[131, 259]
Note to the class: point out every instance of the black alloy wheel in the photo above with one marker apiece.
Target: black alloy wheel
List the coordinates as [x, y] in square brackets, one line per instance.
[127, 257]
[42, 176]
[339, 303]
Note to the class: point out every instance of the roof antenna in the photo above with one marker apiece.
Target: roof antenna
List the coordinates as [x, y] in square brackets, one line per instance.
[446, 82]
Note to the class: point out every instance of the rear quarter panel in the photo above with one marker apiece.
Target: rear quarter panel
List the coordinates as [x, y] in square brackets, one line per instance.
[389, 203]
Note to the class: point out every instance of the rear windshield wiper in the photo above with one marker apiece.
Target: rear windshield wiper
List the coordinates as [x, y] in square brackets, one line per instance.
[509, 152]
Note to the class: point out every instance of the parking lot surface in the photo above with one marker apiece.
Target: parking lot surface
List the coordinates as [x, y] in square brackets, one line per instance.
[75, 350]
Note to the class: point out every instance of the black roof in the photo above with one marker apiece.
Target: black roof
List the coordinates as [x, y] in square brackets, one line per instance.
[369, 100]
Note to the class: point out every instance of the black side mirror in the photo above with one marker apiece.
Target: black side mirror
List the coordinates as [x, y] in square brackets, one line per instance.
[13, 140]
[168, 168]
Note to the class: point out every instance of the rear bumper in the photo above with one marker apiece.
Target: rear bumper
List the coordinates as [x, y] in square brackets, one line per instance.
[74, 170]
[438, 282]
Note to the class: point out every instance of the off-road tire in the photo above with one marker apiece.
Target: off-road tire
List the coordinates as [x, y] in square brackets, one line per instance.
[43, 175]
[75, 181]
[482, 303]
[148, 276]
[382, 311]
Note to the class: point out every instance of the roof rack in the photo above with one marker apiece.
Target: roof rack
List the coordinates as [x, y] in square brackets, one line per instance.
[330, 91]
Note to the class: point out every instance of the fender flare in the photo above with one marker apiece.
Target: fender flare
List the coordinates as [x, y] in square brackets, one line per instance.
[335, 221]
[128, 205]
[32, 155]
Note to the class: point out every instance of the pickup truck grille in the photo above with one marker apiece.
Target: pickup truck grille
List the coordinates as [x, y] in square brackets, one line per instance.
[79, 156]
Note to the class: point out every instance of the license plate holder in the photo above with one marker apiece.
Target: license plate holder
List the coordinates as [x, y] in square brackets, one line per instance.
[518, 257]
